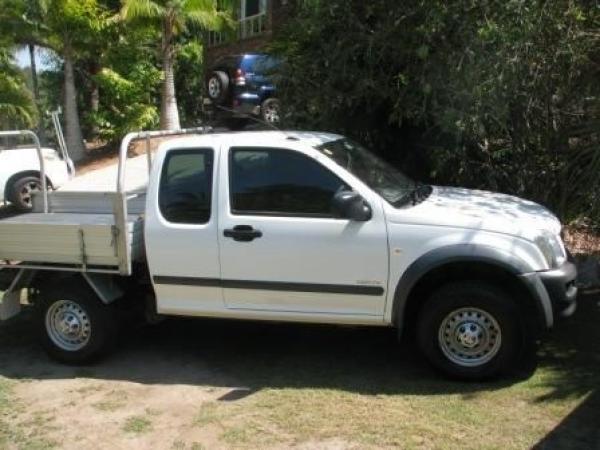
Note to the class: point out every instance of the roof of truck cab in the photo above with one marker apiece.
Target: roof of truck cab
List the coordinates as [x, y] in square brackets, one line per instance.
[257, 138]
[104, 179]
[314, 138]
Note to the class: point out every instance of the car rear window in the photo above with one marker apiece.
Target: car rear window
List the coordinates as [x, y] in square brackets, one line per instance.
[258, 64]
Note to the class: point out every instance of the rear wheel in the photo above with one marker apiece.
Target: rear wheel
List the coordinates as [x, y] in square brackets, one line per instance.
[471, 330]
[217, 86]
[75, 327]
[22, 191]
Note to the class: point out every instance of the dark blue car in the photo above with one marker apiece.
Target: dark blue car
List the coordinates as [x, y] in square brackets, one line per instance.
[239, 86]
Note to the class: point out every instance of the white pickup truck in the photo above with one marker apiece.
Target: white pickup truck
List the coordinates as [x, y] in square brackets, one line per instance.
[291, 226]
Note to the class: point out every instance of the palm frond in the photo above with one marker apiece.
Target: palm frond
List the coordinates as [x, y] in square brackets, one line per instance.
[17, 114]
[206, 14]
[16, 104]
[142, 9]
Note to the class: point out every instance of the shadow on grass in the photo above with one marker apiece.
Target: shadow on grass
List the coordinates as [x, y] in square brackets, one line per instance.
[248, 357]
[573, 357]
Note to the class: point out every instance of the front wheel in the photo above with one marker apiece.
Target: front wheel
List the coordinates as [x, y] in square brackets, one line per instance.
[75, 327]
[471, 331]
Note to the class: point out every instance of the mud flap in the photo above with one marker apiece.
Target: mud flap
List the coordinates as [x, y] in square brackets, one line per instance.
[10, 302]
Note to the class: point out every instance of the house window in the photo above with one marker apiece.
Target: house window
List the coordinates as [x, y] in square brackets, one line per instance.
[253, 8]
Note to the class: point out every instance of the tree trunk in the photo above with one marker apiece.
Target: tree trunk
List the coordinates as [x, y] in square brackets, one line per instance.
[94, 70]
[169, 115]
[34, 79]
[36, 92]
[73, 136]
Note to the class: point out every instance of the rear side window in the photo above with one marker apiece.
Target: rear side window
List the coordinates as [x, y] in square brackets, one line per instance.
[186, 186]
[280, 182]
[259, 64]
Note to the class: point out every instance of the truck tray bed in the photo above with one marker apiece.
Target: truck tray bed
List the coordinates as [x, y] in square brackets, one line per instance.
[85, 230]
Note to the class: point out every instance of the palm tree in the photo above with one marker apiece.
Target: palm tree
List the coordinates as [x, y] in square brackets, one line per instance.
[73, 25]
[25, 33]
[68, 29]
[16, 106]
[173, 17]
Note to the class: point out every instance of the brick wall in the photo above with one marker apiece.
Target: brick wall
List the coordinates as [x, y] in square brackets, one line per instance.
[278, 11]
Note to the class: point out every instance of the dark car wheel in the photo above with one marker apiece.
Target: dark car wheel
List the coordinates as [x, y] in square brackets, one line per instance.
[471, 330]
[22, 190]
[217, 86]
[271, 111]
[74, 326]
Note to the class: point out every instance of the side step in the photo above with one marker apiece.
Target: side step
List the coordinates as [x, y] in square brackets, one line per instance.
[10, 301]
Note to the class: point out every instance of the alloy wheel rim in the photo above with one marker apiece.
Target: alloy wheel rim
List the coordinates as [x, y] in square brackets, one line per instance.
[68, 325]
[470, 337]
[214, 89]
[272, 114]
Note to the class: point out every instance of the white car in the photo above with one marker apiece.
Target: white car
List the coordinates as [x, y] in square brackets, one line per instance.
[20, 174]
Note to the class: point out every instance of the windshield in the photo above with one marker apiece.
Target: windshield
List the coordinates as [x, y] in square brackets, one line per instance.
[379, 175]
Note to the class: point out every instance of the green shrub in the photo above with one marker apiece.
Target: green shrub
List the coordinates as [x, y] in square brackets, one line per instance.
[502, 95]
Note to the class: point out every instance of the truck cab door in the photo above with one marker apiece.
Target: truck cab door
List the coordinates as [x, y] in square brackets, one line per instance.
[181, 232]
[284, 254]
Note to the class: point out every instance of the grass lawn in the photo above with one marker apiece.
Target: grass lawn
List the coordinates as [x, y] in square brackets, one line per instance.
[268, 385]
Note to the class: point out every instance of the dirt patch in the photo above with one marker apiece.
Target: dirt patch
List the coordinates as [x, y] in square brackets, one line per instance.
[101, 414]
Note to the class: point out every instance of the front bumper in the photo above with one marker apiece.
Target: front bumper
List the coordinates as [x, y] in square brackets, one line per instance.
[562, 289]
[555, 292]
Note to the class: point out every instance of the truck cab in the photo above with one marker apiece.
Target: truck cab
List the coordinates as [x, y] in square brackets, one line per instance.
[312, 227]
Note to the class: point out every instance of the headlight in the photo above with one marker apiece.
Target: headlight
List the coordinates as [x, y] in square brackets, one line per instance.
[551, 248]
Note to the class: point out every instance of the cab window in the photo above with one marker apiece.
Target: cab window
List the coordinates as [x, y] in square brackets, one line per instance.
[185, 188]
[280, 182]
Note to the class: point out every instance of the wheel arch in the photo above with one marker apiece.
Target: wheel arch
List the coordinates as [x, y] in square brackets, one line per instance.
[462, 263]
[105, 286]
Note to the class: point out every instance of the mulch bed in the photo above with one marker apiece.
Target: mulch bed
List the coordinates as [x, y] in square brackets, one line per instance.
[582, 239]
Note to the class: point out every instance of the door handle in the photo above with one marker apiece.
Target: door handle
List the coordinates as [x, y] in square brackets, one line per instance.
[242, 233]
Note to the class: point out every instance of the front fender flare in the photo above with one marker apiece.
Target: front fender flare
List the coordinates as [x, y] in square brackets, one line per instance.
[469, 253]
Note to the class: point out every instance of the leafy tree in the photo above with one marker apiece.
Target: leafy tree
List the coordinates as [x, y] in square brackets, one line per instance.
[173, 17]
[126, 104]
[72, 25]
[69, 27]
[189, 81]
[501, 95]
[25, 32]
[17, 109]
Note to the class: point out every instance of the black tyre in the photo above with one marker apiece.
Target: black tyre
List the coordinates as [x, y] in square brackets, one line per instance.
[217, 86]
[21, 192]
[471, 331]
[75, 327]
[270, 111]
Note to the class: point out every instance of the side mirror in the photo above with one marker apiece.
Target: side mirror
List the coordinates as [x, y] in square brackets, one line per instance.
[350, 205]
